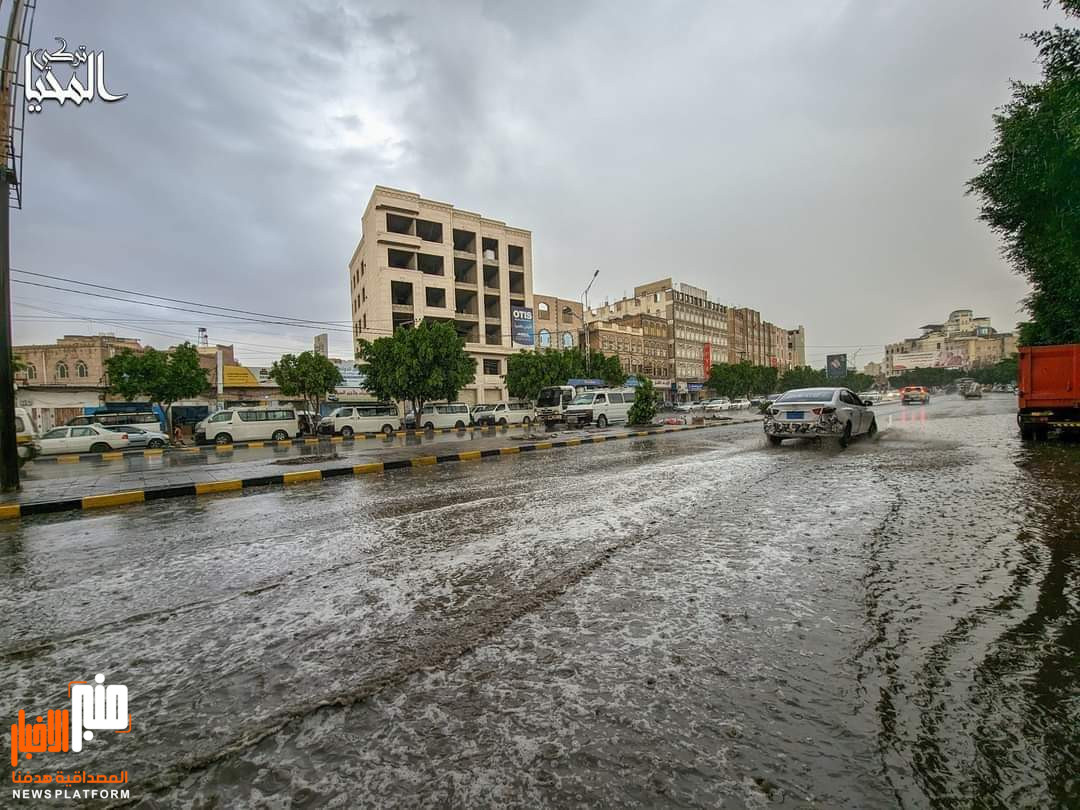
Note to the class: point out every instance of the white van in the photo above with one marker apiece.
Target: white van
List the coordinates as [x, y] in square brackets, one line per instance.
[374, 417]
[433, 417]
[601, 406]
[248, 424]
[504, 413]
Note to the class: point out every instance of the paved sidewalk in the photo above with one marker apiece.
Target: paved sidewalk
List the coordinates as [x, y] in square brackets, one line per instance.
[87, 492]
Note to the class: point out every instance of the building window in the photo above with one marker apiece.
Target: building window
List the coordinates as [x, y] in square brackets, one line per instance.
[542, 310]
[491, 366]
[363, 294]
[80, 369]
[31, 372]
[61, 371]
[545, 338]
[567, 340]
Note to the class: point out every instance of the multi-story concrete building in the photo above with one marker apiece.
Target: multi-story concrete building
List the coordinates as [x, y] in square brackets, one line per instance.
[797, 346]
[419, 258]
[558, 322]
[73, 360]
[961, 342]
[620, 339]
[699, 332]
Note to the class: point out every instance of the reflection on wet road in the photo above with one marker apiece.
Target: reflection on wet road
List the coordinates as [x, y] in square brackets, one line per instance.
[699, 620]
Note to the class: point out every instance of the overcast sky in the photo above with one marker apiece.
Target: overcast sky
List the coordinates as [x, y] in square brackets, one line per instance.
[807, 159]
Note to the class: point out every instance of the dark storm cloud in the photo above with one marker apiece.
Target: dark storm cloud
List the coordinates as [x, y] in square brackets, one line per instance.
[804, 159]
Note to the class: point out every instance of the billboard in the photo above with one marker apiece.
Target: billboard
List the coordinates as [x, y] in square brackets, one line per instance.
[707, 358]
[836, 366]
[521, 326]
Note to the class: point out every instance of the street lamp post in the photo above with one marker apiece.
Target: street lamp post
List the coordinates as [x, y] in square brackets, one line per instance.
[585, 321]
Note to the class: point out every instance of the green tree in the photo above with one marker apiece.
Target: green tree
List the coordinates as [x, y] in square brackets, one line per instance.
[1002, 372]
[764, 380]
[307, 375]
[643, 410]
[417, 365]
[855, 381]
[162, 377]
[731, 380]
[802, 377]
[1029, 186]
[527, 372]
[928, 377]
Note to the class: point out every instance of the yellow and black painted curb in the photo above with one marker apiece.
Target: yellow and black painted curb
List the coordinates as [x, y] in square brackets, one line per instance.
[119, 455]
[88, 502]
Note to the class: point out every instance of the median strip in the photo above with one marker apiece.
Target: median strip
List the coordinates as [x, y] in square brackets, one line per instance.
[12, 511]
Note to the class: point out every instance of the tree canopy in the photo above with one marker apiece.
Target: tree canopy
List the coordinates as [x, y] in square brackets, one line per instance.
[308, 375]
[806, 377]
[417, 365]
[528, 372]
[743, 379]
[1029, 186]
[644, 408]
[162, 377]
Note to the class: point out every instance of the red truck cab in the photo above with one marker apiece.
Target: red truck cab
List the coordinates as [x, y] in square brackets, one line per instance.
[1049, 390]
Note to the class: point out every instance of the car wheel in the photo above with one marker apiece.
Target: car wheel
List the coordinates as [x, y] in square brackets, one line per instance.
[845, 437]
[502, 422]
[387, 430]
[346, 432]
[872, 430]
[223, 438]
[99, 447]
[775, 441]
[429, 426]
[154, 444]
[601, 421]
[526, 421]
[459, 425]
[279, 436]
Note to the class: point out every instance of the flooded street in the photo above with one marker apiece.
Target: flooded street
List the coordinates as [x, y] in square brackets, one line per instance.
[694, 620]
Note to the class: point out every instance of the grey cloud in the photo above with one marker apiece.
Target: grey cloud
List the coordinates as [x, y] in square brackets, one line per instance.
[804, 159]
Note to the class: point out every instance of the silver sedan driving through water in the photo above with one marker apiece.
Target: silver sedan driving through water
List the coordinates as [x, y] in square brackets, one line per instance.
[817, 412]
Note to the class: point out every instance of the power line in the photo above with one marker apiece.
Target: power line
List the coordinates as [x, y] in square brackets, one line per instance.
[171, 298]
[286, 322]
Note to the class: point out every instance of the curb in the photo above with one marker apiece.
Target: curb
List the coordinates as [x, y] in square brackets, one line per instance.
[13, 511]
[119, 455]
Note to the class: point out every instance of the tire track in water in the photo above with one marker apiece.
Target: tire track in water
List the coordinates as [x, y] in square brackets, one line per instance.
[451, 647]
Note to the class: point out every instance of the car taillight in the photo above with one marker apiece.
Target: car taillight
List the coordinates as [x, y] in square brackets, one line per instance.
[820, 411]
[774, 411]
[123, 435]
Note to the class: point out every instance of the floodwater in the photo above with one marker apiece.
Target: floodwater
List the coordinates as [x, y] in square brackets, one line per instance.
[695, 620]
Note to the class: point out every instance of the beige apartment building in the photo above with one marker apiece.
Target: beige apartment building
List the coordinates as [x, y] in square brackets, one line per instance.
[961, 342]
[558, 322]
[796, 343]
[698, 333]
[73, 360]
[419, 258]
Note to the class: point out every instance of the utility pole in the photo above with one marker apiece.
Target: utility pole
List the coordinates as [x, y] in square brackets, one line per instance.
[9, 451]
[585, 320]
[11, 130]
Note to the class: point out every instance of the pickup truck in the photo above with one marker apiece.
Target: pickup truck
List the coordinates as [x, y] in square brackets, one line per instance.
[1049, 390]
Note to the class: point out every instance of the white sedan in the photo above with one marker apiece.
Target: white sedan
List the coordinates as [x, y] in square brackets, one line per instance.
[81, 439]
[819, 412]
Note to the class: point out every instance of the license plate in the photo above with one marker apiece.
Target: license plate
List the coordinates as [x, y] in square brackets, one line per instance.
[795, 414]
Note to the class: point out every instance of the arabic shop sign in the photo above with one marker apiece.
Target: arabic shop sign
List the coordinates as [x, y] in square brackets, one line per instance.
[521, 326]
[94, 707]
[85, 82]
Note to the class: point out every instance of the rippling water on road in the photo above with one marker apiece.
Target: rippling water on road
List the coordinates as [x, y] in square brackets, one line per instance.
[696, 620]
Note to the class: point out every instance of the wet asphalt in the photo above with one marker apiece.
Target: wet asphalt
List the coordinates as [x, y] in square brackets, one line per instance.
[694, 620]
